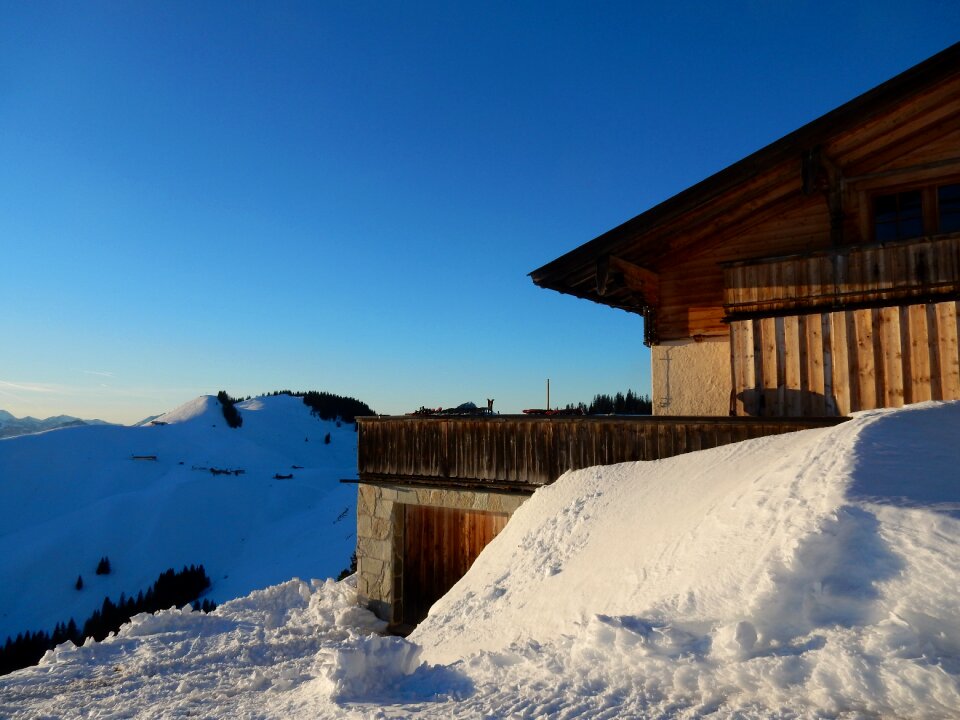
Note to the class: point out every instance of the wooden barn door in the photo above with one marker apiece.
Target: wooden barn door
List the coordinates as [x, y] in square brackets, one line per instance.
[835, 363]
[439, 546]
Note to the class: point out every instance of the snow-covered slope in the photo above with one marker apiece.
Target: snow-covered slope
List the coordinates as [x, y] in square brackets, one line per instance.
[805, 575]
[72, 496]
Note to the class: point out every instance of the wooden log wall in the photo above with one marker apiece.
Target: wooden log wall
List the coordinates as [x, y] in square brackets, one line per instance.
[834, 363]
[523, 450]
[925, 268]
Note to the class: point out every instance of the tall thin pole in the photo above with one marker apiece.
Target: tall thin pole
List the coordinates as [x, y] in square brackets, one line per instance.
[548, 393]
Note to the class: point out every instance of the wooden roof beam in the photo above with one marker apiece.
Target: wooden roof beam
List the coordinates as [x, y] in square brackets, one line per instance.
[614, 273]
[822, 174]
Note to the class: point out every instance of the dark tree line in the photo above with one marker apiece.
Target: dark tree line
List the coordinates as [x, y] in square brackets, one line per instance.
[170, 589]
[348, 571]
[326, 406]
[330, 407]
[619, 404]
[230, 412]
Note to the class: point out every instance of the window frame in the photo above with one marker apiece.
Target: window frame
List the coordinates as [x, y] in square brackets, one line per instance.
[929, 205]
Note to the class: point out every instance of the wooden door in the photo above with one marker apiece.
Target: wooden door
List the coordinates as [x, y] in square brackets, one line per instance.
[439, 546]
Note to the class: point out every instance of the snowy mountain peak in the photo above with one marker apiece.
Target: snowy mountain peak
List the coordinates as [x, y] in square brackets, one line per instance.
[205, 407]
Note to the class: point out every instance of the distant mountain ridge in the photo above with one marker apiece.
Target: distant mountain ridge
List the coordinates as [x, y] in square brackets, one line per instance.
[12, 426]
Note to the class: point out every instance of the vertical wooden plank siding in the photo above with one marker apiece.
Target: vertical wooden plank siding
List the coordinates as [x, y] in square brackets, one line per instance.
[749, 368]
[947, 336]
[737, 380]
[933, 344]
[831, 405]
[890, 381]
[916, 356]
[834, 363]
[844, 383]
[813, 371]
[792, 366]
[755, 406]
[863, 361]
[768, 359]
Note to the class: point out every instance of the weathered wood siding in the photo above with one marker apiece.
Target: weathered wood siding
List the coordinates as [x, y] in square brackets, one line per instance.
[876, 274]
[526, 450]
[439, 546]
[834, 363]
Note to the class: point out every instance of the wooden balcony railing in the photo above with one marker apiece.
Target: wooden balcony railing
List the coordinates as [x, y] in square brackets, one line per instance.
[923, 270]
[513, 452]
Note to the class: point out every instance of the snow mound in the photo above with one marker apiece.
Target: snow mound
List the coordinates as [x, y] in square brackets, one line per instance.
[810, 572]
[163, 665]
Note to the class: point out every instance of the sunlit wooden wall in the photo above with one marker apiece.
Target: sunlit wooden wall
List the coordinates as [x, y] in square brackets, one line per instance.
[834, 363]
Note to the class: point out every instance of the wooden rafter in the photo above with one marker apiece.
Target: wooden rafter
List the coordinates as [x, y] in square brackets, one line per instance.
[614, 273]
[822, 174]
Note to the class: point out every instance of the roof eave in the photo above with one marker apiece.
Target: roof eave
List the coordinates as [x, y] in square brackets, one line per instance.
[817, 132]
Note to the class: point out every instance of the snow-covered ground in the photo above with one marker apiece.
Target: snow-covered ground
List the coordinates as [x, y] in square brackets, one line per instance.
[71, 496]
[804, 575]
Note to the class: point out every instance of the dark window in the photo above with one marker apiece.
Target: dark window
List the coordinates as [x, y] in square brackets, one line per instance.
[948, 204]
[898, 216]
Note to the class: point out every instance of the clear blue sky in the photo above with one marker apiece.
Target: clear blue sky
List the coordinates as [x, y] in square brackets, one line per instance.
[347, 196]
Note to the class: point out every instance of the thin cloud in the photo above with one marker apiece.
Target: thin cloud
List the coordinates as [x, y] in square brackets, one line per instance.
[26, 387]
[99, 373]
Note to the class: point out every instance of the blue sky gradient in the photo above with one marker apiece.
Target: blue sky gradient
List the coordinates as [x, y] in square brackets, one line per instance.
[348, 196]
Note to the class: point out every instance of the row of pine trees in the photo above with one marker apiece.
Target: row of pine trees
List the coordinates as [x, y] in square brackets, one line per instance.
[630, 404]
[326, 406]
[171, 589]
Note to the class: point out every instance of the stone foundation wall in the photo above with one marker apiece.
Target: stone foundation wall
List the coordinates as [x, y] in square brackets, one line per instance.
[378, 532]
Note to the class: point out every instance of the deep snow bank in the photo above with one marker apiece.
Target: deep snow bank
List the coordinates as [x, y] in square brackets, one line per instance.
[815, 570]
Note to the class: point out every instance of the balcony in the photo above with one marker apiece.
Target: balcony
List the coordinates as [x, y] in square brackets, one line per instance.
[895, 273]
[511, 453]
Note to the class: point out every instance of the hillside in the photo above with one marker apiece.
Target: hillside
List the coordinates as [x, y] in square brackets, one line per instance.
[74, 495]
[804, 575]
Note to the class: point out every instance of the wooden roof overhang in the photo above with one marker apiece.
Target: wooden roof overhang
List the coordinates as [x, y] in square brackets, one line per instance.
[620, 268]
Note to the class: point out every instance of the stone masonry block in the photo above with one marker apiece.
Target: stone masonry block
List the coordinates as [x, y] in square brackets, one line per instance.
[371, 567]
[381, 528]
[384, 509]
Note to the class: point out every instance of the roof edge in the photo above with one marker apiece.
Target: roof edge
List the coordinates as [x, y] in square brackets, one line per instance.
[864, 106]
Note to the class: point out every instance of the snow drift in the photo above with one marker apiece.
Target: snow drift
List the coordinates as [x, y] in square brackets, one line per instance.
[811, 572]
[803, 575]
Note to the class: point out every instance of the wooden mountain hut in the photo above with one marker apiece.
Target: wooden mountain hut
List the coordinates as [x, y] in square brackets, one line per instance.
[818, 276]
